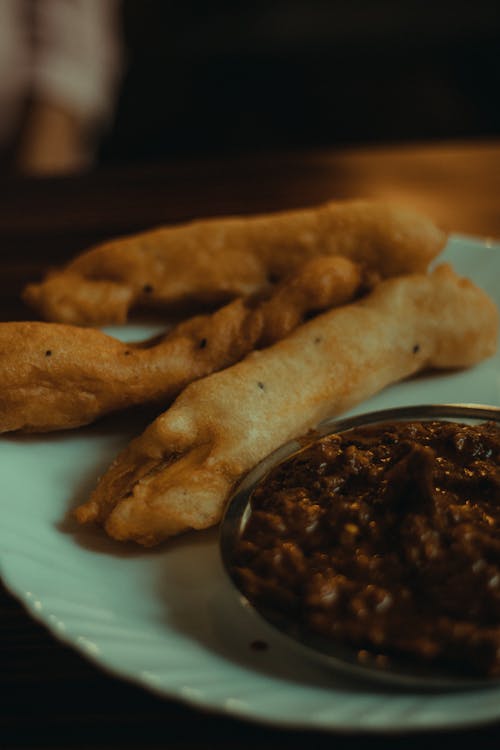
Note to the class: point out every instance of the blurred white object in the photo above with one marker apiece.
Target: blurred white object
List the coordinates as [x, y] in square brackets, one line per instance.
[63, 57]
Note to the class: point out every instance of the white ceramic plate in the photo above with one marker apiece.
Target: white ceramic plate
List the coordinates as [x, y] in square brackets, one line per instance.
[168, 619]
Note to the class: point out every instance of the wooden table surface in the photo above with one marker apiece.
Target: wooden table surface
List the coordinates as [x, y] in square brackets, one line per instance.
[50, 696]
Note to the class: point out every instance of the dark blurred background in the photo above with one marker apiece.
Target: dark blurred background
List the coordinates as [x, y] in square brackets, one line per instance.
[103, 81]
[230, 77]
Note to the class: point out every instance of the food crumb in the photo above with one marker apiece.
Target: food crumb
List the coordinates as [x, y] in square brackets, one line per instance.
[259, 645]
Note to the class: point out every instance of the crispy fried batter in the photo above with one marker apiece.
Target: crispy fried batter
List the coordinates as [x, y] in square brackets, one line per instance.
[178, 475]
[215, 260]
[56, 376]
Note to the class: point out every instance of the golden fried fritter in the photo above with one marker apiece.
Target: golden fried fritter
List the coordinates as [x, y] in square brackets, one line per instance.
[55, 376]
[215, 260]
[179, 474]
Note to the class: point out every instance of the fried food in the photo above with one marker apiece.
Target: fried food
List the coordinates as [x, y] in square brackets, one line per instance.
[55, 376]
[215, 260]
[180, 472]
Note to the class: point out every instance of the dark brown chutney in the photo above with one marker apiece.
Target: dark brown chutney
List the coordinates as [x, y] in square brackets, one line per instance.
[385, 538]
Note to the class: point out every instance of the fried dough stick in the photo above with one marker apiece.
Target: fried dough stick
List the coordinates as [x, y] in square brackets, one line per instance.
[215, 260]
[180, 472]
[55, 376]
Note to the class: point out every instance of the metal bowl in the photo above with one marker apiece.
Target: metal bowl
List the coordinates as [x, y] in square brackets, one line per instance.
[344, 659]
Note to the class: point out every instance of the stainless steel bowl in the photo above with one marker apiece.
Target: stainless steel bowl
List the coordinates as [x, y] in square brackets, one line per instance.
[344, 659]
